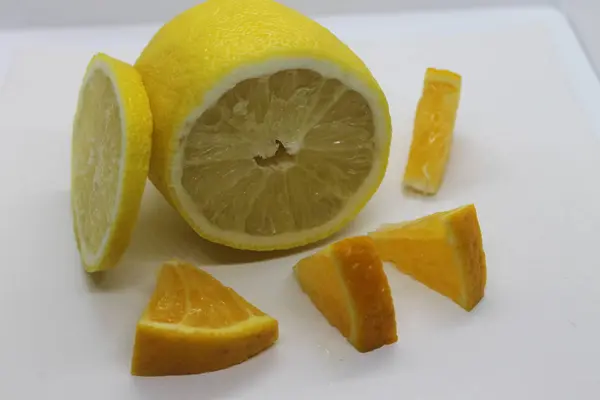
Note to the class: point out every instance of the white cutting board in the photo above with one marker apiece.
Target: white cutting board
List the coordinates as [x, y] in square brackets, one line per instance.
[526, 153]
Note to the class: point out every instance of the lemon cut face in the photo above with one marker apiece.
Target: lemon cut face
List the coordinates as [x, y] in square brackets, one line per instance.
[110, 159]
[278, 155]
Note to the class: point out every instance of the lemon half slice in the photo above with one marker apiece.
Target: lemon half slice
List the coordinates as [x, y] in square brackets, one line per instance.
[270, 133]
[110, 158]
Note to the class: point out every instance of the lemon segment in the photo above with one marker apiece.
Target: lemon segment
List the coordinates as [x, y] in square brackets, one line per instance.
[269, 132]
[110, 158]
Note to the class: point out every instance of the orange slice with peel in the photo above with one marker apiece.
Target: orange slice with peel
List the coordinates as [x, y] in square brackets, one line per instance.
[444, 251]
[194, 324]
[346, 282]
[433, 131]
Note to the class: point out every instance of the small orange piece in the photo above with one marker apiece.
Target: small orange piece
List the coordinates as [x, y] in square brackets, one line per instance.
[433, 130]
[444, 251]
[194, 324]
[346, 282]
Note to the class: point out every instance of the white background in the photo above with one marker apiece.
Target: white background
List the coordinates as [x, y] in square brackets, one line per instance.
[526, 152]
[584, 15]
[59, 12]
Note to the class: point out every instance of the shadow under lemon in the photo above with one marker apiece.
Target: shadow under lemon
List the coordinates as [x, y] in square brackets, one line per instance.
[161, 234]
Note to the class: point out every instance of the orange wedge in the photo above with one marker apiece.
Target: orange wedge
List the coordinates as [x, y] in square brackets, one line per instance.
[346, 282]
[194, 324]
[444, 251]
[432, 133]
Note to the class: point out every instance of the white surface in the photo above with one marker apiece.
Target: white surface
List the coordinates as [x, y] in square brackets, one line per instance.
[584, 15]
[28, 13]
[526, 153]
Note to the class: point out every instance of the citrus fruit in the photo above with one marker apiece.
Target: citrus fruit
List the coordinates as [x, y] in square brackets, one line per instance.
[269, 132]
[444, 251]
[346, 282]
[110, 157]
[194, 324]
[433, 131]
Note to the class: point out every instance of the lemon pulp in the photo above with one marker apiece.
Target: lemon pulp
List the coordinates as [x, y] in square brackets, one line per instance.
[96, 164]
[279, 153]
[110, 157]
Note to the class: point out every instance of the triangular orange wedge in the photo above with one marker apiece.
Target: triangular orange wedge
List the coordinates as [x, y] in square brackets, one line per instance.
[433, 131]
[194, 324]
[444, 251]
[346, 282]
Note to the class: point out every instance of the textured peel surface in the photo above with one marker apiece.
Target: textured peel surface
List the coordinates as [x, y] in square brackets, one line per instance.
[433, 131]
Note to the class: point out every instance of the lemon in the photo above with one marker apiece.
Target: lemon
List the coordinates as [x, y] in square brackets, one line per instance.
[269, 132]
[110, 158]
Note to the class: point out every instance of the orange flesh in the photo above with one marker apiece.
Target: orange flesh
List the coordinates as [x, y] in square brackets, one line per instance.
[194, 298]
[429, 260]
[433, 131]
[321, 281]
[346, 282]
[444, 251]
[194, 324]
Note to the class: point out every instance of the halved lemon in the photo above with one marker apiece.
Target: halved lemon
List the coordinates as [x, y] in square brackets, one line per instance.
[270, 133]
[347, 283]
[194, 324]
[110, 157]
